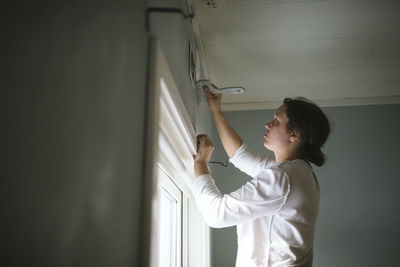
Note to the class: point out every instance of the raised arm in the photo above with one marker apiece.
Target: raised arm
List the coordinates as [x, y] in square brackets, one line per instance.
[229, 138]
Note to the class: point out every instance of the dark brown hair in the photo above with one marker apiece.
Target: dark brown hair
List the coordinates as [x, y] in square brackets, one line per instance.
[312, 125]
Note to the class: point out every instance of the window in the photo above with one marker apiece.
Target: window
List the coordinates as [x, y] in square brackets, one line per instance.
[170, 221]
[173, 194]
[178, 235]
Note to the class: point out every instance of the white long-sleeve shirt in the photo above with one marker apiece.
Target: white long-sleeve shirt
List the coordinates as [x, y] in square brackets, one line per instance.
[275, 212]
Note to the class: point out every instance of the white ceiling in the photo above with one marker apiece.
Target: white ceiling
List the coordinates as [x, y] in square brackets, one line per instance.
[335, 52]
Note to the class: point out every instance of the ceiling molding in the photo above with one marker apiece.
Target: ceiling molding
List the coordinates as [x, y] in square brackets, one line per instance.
[356, 101]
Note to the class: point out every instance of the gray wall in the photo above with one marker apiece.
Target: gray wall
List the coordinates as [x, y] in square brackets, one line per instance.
[175, 33]
[77, 72]
[73, 93]
[360, 186]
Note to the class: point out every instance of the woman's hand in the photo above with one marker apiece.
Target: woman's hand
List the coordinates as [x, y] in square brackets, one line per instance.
[214, 101]
[205, 149]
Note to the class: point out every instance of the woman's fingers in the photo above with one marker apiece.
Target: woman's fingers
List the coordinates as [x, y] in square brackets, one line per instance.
[207, 91]
[204, 139]
[213, 100]
[213, 97]
[201, 137]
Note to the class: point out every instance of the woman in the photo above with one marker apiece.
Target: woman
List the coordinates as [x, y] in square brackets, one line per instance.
[276, 212]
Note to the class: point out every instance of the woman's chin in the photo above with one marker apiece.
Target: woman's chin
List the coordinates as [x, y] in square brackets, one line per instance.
[266, 144]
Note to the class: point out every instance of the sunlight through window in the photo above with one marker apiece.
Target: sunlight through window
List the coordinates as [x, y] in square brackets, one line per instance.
[170, 226]
[168, 229]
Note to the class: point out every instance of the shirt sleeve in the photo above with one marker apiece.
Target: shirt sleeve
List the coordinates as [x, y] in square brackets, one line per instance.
[259, 197]
[249, 162]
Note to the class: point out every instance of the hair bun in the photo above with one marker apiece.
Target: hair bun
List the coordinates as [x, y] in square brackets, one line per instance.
[317, 157]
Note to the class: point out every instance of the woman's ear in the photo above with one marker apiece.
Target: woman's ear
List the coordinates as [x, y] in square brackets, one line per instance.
[294, 136]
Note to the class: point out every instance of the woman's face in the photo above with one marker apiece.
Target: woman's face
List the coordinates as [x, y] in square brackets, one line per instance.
[276, 137]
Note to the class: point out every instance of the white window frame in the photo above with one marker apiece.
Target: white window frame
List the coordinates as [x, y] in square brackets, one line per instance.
[166, 183]
[171, 142]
